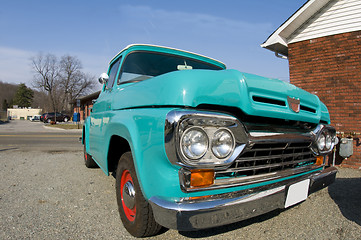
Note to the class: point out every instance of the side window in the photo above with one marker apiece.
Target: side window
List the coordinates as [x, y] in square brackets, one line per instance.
[113, 72]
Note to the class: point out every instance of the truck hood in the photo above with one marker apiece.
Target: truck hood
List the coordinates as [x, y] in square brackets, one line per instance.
[254, 95]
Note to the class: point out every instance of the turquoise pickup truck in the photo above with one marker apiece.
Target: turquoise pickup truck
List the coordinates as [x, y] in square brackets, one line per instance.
[194, 145]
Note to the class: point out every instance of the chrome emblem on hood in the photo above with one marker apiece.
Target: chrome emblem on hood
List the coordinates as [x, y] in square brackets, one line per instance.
[294, 104]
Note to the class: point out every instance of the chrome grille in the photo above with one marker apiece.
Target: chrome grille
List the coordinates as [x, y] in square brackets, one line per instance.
[265, 158]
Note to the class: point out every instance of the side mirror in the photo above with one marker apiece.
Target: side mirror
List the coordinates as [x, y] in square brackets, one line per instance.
[103, 79]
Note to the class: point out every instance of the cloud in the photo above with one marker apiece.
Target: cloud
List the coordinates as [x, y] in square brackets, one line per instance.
[150, 24]
[232, 41]
[15, 66]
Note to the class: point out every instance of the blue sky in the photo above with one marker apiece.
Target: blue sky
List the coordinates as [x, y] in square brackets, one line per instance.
[94, 31]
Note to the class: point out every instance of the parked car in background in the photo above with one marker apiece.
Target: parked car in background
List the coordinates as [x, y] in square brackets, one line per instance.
[42, 117]
[35, 118]
[59, 117]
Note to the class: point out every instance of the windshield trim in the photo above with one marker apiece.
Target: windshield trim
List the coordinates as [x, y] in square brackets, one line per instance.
[218, 68]
[129, 48]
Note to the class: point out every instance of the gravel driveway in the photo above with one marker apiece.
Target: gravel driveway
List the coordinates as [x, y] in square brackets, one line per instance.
[48, 194]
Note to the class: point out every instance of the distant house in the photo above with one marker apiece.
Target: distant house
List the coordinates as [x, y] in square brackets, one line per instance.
[86, 103]
[23, 113]
[322, 41]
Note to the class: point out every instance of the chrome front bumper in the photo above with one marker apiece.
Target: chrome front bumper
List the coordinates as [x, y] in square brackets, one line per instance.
[228, 208]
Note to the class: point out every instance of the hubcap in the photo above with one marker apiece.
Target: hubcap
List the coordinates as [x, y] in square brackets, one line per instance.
[129, 195]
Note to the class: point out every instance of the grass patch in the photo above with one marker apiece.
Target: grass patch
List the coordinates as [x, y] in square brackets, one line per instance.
[67, 126]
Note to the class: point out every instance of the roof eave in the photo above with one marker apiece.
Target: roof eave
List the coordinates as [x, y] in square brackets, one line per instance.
[90, 96]
[276, 44]
[277, 41]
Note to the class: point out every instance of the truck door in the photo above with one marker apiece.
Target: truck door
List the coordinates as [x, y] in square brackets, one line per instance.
[100, 117]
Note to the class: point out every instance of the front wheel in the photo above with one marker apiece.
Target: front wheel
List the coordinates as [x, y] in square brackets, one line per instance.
[135, 211]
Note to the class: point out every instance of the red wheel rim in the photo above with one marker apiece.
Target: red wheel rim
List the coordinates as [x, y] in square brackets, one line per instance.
[129, 213]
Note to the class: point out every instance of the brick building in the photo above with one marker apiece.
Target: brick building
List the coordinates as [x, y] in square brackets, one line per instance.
[86, 103]
[322, 42]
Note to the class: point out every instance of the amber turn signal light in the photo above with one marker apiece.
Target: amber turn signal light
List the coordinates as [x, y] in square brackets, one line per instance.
[319, 160]
[202, 177]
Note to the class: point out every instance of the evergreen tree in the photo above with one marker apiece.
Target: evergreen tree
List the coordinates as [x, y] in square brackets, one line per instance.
[23, 96]
[5, 105]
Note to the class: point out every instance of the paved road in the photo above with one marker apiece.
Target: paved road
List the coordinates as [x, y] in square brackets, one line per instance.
[22, 126]
[28, 135]
[51, 195]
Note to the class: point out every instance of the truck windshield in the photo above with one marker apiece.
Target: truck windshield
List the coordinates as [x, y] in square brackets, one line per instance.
[139, 66]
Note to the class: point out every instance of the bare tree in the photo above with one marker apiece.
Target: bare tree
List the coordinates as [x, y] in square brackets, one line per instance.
[63, 80]
[73, 81]
[47, 75]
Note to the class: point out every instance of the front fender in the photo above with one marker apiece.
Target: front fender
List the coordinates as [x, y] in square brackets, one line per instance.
[143, 129]
[85, 135]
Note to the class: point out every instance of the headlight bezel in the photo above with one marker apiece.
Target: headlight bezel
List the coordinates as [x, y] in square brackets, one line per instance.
[323, 134]
[177, 123]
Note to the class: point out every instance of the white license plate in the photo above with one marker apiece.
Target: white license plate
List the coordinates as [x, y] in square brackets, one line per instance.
[297, 192]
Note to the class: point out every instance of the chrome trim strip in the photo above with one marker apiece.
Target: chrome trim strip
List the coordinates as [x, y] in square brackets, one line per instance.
[247, 180]
[260, 158]
[258, 167]
[242, 181]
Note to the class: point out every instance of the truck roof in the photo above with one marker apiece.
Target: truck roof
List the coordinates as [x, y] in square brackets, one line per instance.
[173, 50]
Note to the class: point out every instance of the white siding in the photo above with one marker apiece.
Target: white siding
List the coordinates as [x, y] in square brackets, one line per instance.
[338, 16]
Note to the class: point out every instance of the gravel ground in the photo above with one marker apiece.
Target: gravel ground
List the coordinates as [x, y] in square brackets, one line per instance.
[52, 195]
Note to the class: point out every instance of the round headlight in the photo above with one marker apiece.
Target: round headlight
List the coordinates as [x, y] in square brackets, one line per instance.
[328, 142]
[321, 142]
[222, 143]
[325, 139]
[194, 143]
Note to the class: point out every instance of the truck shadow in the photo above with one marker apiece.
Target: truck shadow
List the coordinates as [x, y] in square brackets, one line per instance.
[7, 149]
[346, 193]
[230, 227]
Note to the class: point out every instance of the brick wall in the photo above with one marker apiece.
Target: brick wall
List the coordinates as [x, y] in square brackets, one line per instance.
[330, 67]
[84, 109]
